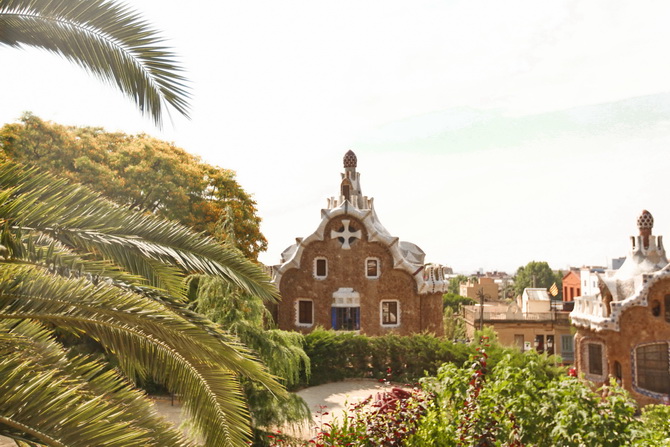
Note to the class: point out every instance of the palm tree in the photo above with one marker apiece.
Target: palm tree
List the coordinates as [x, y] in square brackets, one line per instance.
[107, 39]
[75, 263]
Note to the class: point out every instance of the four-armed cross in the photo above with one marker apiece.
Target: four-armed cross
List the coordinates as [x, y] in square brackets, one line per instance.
[346, 236]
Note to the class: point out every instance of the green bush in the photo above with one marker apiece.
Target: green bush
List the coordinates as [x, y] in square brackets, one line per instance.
[336, 356]
[521, 401]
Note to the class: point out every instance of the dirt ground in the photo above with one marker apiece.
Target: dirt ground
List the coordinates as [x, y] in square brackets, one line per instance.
[325, 401]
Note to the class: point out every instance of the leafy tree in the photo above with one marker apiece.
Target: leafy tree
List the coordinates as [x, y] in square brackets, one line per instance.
[455, 301]
[455, 284]
[107, 39]
[74, 262]
[143, 173]
[536, 274]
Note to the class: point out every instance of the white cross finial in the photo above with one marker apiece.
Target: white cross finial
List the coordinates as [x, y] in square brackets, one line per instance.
[346, 235]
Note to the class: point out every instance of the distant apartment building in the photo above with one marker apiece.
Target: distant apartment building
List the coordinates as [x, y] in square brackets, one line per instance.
[589, 279]
[530, 323]
[485, 285]
[572, 285]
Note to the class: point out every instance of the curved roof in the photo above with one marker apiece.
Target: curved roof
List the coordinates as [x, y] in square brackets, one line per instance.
[406, 255]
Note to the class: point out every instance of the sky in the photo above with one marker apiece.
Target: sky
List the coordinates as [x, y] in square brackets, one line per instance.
[489, 133]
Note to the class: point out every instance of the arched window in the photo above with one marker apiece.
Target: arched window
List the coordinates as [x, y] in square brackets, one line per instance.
[653, 367]
[346, 189]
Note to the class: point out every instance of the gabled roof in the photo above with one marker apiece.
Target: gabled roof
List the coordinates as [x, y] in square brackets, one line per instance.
[406, 256]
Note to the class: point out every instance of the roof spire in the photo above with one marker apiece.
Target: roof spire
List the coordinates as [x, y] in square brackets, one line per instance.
[350, 160]
[645, 223]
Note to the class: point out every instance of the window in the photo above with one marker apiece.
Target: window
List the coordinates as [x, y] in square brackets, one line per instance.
[518, 341]
[667, 308]
[305, 312]
[567, 348]
[389, 313]
[656, 308]
[320, 268]
[550, 344]
[372, 268]
[653, 368]
[539, 343]
[346, 318]
[595, 352]
[618, 372]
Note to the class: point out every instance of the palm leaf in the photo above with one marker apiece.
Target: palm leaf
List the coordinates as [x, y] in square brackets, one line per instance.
[107, 39]
[153, 342]
[143, 244]
[51, 398]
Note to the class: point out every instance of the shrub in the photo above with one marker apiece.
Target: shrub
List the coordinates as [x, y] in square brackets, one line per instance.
[521, 404]
[337, 356]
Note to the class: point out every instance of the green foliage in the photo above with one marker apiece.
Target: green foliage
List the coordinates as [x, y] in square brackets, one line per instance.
[246, 316]
[455, 284]
[144, 174]
[454, 326]
[536, 274]
[339, 355]
[107, 39]
[520, 404]
[653, 429]
[80, 264]
[455, 301]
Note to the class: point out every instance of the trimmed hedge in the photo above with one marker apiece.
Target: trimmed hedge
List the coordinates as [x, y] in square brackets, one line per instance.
[337, 356]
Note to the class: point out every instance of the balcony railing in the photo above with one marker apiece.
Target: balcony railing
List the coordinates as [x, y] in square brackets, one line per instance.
[473, 313]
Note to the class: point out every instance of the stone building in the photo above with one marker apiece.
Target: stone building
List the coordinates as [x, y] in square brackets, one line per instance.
[351, 274]
[623, 330]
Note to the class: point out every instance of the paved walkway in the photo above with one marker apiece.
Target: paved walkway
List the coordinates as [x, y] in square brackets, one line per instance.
[334, 399]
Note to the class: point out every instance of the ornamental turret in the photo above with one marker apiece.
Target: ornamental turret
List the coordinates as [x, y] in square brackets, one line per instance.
[646, 254]
[350, 186]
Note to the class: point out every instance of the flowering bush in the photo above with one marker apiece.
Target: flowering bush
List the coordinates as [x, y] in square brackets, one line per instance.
[386, 420]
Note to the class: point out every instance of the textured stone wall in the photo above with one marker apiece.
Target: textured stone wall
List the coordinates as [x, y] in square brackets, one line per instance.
[638, 326]
[347, 269]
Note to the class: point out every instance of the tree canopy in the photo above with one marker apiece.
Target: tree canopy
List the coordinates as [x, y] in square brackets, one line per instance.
[536, 274]
[143, 173]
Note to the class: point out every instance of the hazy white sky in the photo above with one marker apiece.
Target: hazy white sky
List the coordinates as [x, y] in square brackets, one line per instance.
[489, 133]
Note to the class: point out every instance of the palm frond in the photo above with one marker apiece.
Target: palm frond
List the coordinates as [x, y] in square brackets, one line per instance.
[153, 342]
[142, 244]
[51, 398]
[107, 39]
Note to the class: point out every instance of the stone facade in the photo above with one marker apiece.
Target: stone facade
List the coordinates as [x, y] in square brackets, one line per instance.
[351, 274]
[623, 331]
